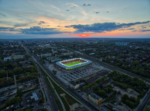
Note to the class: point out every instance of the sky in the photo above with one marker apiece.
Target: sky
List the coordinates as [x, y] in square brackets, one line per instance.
[74, 18]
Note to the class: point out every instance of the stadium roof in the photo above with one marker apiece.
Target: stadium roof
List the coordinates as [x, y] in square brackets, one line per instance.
[73, 66]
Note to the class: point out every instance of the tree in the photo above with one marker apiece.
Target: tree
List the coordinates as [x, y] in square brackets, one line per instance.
[146, 109]
[93, 83]
[89, 85]
[131, 104]
[96, 88]
[55, 72]
[19, 92]
[124, 97]
[28, 110]
[85, 88]
[136, 63]
[19, 109]
[27, 56]
[18, 70]
[102, 92]
[44, 57]
[2, 73]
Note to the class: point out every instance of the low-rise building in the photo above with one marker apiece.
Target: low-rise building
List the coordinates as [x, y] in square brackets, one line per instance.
[121, 43]
[95, 98]
[74, 85]
[67, 53]
[92, 54]
[46, 55]
[7, 58]
[34, 96]
[54, 59]
[17, 56]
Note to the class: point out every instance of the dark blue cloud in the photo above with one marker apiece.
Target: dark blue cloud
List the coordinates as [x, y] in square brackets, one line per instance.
[7, 29]
[39, 30]
[96, 28]
[20, 25]
[145, 30]
[101, 27]
[41, 22]
[34, 30]
[131, 29]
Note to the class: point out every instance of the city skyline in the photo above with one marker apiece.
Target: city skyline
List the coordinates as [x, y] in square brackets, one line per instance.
[69, 19]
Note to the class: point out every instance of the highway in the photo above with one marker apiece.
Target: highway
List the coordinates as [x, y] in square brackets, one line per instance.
[141, 106]
[66, 88]
[50, 100]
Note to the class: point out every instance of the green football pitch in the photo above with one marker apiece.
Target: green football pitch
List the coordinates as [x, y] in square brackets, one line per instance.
[73, 63]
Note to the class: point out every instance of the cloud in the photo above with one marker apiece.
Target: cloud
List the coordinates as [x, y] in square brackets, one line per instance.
[76, 29]
[20, 25]
[145, 30]
[33, 30]
[84, 13]
[7, 29]
[72, 5]
[2, 15]
[39, 30]
[134, 30]
[101, 27]
[55, 7]
[131, 29]
[41, 22]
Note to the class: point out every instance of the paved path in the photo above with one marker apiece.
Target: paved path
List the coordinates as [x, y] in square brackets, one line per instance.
[64, 109]
[15, 80]
[143, 102]
[50, 104]
[84, 103]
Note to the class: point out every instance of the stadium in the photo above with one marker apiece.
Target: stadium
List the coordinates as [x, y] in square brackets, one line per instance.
[71, 65]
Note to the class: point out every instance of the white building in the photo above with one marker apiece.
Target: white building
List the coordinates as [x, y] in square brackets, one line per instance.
[7, 58]
[94, 98]
[74, 85]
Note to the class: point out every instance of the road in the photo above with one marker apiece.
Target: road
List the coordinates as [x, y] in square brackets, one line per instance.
[114, 67]
[144, 102]
[92, 107]
[15, 80]
[57, 94]
[50, 99]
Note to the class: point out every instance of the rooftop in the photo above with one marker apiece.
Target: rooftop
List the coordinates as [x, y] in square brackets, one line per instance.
[95, 96]
[34, 96]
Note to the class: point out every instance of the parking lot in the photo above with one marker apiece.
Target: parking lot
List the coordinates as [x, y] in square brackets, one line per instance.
[76, 75]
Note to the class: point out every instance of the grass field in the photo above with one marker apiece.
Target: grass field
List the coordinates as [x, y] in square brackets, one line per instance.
[73, 63]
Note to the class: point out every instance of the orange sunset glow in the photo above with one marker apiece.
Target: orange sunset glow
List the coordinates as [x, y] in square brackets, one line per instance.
[83, 35]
